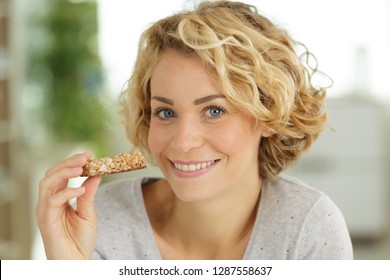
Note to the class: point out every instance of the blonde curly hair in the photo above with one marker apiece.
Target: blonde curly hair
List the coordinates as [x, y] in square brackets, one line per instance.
[256, 66]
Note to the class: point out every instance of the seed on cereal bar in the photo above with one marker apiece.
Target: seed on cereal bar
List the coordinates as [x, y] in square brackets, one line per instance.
[116, 164]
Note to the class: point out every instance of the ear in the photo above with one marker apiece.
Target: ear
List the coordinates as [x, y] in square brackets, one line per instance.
[266, 133]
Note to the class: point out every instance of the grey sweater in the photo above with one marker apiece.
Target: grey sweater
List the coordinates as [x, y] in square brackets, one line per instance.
[294, 221]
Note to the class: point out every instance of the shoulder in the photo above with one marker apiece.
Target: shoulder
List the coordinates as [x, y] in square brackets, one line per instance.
[290, 203]
[288, 192]
[121, 196]
[115, 198]
[124, 230]
[296, 197]
[115, 188]
[297, 221]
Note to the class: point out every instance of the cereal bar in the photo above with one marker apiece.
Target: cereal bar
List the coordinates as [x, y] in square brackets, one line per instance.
[116, 164]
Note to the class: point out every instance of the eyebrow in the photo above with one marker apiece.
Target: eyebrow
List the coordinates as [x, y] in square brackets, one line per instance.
[196, 102]
[163, 100]
[208, 98]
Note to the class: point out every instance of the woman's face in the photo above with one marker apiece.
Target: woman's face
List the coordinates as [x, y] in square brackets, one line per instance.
[203, 145]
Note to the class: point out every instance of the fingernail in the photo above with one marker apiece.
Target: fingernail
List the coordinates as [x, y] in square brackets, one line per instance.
[87, 154]
[82, 156]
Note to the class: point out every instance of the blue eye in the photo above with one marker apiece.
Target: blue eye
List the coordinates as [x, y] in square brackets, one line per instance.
[164, 113]
[214, 112]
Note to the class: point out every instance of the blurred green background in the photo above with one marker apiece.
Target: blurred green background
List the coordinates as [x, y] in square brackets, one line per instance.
[66, 69]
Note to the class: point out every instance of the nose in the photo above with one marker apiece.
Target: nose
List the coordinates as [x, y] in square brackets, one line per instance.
[187, 136]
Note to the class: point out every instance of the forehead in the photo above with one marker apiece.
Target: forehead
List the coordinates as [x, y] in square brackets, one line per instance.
[176, 72]
[172, 63]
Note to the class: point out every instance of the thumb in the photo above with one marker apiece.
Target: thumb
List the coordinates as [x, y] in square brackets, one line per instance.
[85, 202]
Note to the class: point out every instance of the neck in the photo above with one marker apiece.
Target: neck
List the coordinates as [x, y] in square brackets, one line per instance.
[217, 225]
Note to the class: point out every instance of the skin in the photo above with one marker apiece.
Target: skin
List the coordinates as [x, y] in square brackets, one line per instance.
[203, 214]
[193, 123]
[67, 234]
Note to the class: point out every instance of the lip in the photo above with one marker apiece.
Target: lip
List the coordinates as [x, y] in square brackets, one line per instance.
[201, 168]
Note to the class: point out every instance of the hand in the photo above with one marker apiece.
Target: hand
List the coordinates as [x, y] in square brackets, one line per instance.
[66, 233]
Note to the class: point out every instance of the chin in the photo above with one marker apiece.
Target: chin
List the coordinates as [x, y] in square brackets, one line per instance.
[192, 193]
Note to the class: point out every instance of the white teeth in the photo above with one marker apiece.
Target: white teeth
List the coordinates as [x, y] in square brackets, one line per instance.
[193, 167]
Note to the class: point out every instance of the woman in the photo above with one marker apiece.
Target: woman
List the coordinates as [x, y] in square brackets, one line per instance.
[222, 103]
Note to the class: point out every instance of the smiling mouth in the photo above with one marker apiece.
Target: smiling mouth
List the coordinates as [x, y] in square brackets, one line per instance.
[194, 166]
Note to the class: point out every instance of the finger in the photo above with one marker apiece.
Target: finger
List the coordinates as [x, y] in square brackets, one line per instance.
[47, 211]
[58, 181]
[85, 203]
[77, 160]
[62, 197]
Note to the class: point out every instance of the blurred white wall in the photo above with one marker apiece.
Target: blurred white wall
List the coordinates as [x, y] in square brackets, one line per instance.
[351, 39]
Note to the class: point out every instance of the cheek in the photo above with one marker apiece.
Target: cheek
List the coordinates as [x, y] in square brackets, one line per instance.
[236, 138]
[157, 139]
[153, 140]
